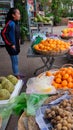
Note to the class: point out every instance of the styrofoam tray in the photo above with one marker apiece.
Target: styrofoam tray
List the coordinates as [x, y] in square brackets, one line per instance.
[16, 91]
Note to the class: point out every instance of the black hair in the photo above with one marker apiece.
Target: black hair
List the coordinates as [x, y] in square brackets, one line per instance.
[10, 13]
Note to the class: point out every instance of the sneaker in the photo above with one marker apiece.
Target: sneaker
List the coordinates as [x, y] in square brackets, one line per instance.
[17, 76]
[22, 76]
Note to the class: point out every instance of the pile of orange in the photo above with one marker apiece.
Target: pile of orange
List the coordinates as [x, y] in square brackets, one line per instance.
[63, 78]
[52, 45]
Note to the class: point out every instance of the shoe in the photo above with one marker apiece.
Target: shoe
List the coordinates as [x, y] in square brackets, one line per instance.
[17, 76]
[22, 76]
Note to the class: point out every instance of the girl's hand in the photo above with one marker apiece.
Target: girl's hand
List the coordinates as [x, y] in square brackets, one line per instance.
[13, 47]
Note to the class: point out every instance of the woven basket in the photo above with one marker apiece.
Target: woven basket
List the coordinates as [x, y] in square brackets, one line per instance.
[27, 122]
[51, 53]
[44, 73]
[67, 65]
[66, 38]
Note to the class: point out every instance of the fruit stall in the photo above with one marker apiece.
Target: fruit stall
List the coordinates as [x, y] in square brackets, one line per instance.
[37, 21]
[49, 106]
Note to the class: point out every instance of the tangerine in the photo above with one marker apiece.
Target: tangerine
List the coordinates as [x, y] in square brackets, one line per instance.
[65, 76]
[58, 80]
[64, 83]
[70, 79]
[70, 85]
[48, 73]
[69, 71]
[63, 72]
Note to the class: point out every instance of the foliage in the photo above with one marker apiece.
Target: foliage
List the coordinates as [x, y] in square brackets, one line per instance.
[55, 9]
[70, 14]
[24, 18]
[24, 31]
[61, 8]
[48, 14]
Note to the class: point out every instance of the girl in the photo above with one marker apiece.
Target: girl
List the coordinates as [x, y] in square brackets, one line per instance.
[11, 37]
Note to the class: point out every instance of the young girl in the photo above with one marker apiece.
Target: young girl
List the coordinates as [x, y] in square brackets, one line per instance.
[11, 37]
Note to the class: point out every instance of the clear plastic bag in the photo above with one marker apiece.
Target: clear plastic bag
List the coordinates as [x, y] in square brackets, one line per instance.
[42, 85]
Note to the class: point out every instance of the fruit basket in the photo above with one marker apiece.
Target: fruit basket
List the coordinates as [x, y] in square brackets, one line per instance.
[51, 53]
[67, 33]
[66, 37]
[52, 47]
[63, 77]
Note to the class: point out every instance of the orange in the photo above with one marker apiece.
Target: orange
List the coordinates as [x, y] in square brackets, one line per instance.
[48, 73]
[59, 86]
[55, 85]
[65, 87]
[57, 73]
[70, 79]
[62, 69]
[63, 72]
[64, 83]
[69, 71]
[65, 76]
[59, 76]
[70, 85]
[58, 80]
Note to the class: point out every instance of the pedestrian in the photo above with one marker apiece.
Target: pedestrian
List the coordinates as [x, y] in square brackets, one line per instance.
[11, 37]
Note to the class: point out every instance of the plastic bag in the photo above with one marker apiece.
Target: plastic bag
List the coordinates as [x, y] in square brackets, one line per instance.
[23, 102]
[40, 85]
[15, 106]
[38, 39]
[38, 35]
[34, 102]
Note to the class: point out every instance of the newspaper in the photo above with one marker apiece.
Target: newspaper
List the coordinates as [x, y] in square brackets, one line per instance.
[40, 120]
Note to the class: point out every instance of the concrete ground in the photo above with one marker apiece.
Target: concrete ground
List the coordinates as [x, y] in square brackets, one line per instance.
[27, 66]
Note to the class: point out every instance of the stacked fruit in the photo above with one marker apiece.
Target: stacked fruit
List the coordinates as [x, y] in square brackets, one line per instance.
[63, 78]
[43, 19]
[67, 32]
[61, 115]
[7, 86]
[52, 45]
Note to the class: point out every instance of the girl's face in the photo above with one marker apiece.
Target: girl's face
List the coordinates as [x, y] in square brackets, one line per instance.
[17, 15]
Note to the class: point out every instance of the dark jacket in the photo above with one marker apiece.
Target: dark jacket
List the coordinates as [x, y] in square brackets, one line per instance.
[11, 36]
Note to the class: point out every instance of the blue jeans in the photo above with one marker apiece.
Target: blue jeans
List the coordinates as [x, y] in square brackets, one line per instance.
[15, 68]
